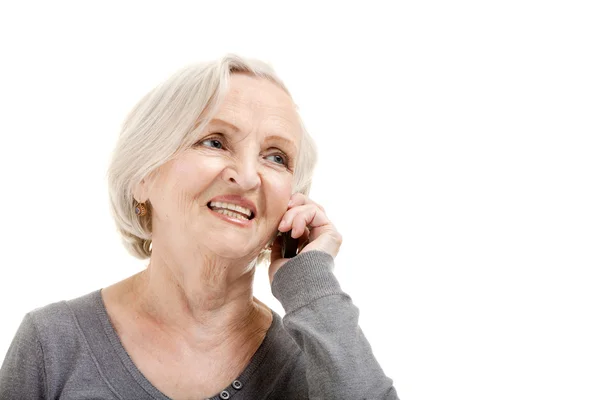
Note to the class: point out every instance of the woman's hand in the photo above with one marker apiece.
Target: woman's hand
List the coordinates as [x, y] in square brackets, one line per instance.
[308, 221]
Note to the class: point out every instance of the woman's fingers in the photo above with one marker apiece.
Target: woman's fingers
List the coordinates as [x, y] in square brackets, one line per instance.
[299, 199]
[312, 218]
[308, 222]
[322, 234]
[300, 217]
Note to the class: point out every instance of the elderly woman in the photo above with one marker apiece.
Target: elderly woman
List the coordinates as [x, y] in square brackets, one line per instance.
[210, 168]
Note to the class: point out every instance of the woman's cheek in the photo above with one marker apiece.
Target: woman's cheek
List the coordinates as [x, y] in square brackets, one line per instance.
[277, 192]
[282, 185]
[197, 173]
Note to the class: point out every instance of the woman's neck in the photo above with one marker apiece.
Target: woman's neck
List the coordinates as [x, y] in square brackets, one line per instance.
[208, 306]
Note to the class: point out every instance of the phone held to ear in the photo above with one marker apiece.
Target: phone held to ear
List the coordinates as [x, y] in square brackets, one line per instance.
[289, 245]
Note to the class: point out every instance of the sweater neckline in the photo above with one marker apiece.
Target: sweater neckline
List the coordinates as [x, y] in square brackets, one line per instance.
[116, 344]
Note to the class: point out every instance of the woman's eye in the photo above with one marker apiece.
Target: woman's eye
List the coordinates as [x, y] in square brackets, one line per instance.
[214, 143]
[279, 159]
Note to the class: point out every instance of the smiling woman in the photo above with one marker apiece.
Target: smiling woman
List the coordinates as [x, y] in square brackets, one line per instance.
[211, 167]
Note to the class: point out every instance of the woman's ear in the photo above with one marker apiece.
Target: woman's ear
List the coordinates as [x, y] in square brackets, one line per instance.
[140, 191]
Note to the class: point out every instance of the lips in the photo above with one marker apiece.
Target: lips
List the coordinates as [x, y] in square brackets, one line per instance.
[231, 209]
[236, 200]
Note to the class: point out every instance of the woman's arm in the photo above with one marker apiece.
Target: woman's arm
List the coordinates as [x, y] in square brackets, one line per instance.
[22, 374]
[324, 322]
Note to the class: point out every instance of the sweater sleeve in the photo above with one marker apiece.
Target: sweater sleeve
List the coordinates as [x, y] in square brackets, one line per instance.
[324, 322]
[22, 373]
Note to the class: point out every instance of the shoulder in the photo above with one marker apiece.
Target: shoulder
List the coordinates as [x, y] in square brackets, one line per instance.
[44, 350]
[56, 325]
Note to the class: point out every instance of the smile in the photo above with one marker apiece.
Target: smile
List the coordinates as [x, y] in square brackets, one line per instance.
[240, 217]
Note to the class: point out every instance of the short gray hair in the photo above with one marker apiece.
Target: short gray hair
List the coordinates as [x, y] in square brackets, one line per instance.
[163, 123]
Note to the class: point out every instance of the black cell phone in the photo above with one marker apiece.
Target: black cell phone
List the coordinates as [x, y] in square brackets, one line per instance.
[289, 245]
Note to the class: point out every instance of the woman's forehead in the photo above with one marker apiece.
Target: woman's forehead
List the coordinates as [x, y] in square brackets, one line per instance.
[254, 93]
[256, 101]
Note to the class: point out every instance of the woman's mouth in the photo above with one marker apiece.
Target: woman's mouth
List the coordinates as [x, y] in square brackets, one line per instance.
[231, 210]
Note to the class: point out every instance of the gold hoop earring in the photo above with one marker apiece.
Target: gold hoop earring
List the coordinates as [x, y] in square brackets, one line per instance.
[140, 209]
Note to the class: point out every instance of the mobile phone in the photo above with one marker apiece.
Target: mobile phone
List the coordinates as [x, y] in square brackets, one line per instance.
[289, 245]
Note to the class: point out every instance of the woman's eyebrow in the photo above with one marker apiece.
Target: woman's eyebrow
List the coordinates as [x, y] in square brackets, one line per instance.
[223, 122]
[288, 142]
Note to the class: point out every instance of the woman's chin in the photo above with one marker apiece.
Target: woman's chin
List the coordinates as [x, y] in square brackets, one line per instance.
[232, 250]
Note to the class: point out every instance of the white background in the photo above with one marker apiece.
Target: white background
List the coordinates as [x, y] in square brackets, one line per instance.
[459, 158]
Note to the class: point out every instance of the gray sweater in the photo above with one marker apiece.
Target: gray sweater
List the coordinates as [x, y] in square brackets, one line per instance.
[70, 350]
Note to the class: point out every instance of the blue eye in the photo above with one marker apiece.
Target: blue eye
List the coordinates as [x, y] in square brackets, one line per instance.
[217, 143]
[279, 159]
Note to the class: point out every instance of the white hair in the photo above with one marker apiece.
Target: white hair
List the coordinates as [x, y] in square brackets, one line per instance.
[162, 124]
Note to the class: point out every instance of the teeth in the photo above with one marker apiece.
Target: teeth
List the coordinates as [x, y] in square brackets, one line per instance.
[232, 214]
[233, 207]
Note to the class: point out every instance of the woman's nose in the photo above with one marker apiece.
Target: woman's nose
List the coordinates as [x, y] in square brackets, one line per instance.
[244, 173]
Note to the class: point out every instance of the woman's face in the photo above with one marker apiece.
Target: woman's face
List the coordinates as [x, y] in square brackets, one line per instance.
[247, 151]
